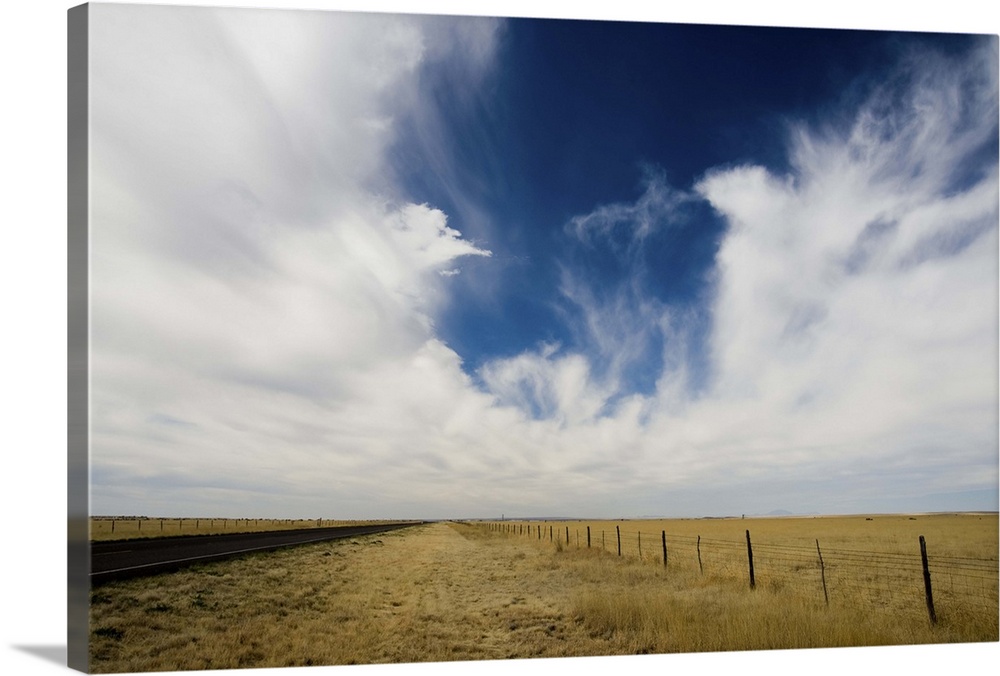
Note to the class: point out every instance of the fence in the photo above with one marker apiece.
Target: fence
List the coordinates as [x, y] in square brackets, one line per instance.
[908, 582]
[123, 527]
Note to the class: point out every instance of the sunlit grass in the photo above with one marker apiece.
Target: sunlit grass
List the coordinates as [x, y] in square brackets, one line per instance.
[871, 565]
[443, 592]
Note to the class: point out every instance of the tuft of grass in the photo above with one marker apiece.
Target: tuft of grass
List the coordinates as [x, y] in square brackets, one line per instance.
[110, 632]
[160, 608]
[663, 614]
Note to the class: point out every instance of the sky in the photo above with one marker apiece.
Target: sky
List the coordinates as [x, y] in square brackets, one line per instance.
[396, 266]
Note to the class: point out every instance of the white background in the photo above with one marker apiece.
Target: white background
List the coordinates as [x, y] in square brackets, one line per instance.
[33, 330]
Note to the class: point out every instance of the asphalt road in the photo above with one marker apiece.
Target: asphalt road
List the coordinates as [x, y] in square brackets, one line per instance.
[120, 559]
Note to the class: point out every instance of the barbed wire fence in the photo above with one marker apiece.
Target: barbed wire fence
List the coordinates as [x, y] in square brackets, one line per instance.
[905, 582]
[127, 527]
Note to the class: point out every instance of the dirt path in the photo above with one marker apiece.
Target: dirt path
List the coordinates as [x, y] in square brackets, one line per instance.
[449, 592]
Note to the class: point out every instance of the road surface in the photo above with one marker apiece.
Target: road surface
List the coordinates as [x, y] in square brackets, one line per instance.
[120, 559]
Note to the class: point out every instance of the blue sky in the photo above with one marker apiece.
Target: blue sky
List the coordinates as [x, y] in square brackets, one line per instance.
[360, 266]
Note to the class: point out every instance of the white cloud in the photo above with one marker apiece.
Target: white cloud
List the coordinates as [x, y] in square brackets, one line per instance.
[262, 308]
[559, 388]
[857, 303]
[625, 226]
[853, 338]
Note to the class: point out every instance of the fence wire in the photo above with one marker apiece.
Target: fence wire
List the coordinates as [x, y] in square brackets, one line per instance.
[856, 577]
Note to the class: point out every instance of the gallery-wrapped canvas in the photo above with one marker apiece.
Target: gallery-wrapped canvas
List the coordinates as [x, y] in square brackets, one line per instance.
[406, 338]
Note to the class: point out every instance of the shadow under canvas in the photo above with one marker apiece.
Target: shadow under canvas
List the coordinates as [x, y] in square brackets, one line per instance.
[50, 653]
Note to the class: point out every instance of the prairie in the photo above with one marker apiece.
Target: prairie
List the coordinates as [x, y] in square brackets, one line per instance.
[833, 566]
[470, 591]
[126, 528]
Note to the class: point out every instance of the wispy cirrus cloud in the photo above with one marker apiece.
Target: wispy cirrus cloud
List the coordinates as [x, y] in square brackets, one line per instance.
[624, 226]
[853, 305]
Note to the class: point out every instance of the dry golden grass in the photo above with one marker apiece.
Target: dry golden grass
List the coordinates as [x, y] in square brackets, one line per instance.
[443, 592]
[110, 528]
[973, 535]
[871, 565]
[430, 593]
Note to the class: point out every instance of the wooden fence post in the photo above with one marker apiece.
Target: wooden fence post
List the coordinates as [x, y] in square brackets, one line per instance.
[550, 533]
[567, 536]
[822, 573]
[927, 581]
[619, 532]
[588, 537]
[700, 567]
[753, 583]
[663, 534]
[112, 525]
[640, 545]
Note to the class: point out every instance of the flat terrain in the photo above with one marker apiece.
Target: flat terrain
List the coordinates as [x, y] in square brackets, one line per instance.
[121, 559]
[442, 592]
[429, 593]
[104, 528]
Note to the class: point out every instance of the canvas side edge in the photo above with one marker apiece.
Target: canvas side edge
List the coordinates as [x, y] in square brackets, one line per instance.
[78, 339]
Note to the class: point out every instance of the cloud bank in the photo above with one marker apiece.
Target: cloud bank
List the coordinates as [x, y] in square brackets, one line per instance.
[264, 296]
[262, 301]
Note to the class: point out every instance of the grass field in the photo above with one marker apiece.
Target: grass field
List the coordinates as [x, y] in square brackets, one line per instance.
[867, 560]
[869, 563]
[442, 592]
[127, 528]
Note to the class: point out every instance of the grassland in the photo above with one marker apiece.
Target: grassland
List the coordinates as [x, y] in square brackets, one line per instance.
[128, 528]
[868, 561]
[442, 592]
[871, 565]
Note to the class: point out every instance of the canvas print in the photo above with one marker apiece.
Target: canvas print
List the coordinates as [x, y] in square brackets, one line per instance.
[415, 338]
